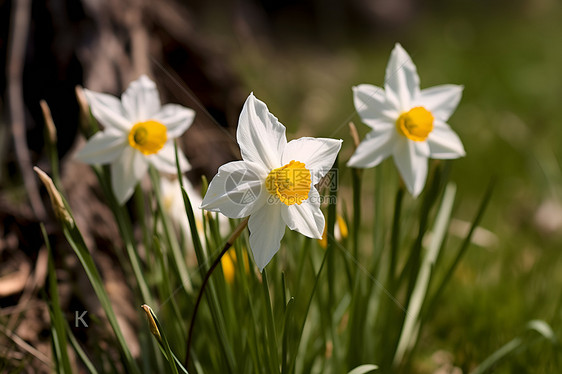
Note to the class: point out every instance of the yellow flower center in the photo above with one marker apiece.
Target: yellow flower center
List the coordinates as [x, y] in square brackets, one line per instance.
[415, 124]
[148, 137]
[291, 183]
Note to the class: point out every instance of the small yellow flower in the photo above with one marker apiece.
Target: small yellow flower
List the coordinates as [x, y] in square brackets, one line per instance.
[228, 263]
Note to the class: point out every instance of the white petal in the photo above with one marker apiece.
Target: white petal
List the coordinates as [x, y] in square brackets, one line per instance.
[377, 146]
[401, 79]
[173, 202]
[165, 159]
[176, 118]
[441, 101]
[237, 190]
[422, 149]
[102, 148]
[412, 166]
[107, 109]
[126, 171]
[444, 143]
[266, 231]
[306, 218]
[318, 154]
[260, 135]
[141, 100]
[373, 107]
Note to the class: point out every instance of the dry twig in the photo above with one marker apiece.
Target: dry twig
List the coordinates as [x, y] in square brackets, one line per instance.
[16, 55]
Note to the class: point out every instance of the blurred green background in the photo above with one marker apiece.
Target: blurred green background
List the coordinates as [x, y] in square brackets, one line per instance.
[508, 55]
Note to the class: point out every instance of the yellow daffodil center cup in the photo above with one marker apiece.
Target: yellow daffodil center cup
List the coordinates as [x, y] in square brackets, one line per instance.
[148, 137]
[415, 124]
[291, 183]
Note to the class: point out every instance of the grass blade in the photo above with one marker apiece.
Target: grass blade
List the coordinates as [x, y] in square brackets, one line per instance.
[158, 333]
[58, 321]
[411, 325]
[363, 369]
[171, 240]
[80, 352]
[464, 245]
[270, 324]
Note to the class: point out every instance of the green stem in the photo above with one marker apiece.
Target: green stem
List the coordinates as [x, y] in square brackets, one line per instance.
[434, 190]
[356, 183]
[215, 263]
[77, 243]
[179, 259]
[270, 325]
[330, 249]
[197, 246]
[58, 330]
[299, 339]
[464, 245]
[378, 223]
[395, 235]
[125, 228]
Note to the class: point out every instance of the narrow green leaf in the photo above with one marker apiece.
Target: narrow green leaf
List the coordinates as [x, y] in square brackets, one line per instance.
[158, 332]
[538, 326]
[171, 239]
[356, 179]
[544, 329]
[167, 292]
[411, 325]
[464, 246]
[286, 331]
[395, 234]
[363, 369]
[198, 247]
[305, 316]
[57, 319]
[270, 325]
[76, 241]
[80, 352]
[125, 229]
[495, 357]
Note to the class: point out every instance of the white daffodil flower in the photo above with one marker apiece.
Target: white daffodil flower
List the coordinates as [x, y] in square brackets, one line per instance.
[408, 123]
[174, 207]
[274, 184]
[172, 199]
[138, 131]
